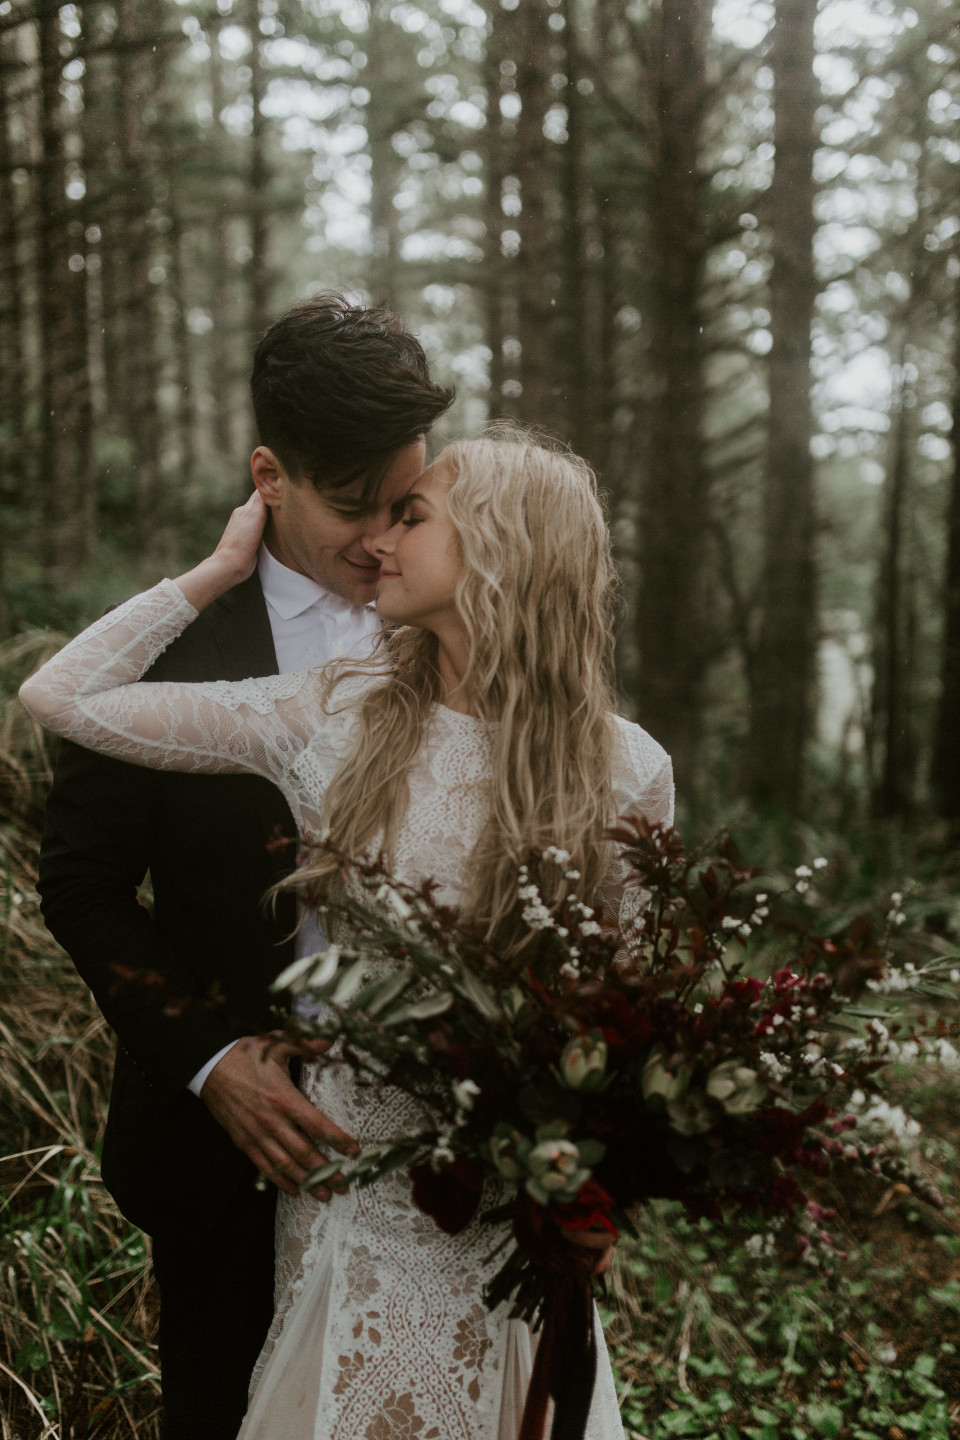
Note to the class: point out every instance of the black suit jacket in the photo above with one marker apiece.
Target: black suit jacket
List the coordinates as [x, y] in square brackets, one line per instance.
[178, 985]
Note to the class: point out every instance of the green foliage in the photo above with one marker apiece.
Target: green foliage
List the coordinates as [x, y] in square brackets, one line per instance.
[716, 1342]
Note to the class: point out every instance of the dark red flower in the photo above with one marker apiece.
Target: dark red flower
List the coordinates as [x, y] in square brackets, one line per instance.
[449, 1196]
[589, 1211]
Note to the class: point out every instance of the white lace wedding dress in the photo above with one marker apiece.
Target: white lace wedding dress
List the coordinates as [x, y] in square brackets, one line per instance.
[380, 1330]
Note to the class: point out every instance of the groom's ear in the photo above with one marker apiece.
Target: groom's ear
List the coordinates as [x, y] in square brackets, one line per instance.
[269, 474]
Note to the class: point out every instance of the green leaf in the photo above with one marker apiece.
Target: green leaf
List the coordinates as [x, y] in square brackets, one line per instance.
[826, 1419]
[424, 1009]
[376, 996]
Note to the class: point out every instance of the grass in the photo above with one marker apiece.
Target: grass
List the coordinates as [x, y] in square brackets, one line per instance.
[716, 1334]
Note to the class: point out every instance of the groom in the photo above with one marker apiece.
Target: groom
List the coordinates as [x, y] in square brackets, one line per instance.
[343, 400]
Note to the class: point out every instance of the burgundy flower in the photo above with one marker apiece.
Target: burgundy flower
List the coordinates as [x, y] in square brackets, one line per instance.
[449, 1196]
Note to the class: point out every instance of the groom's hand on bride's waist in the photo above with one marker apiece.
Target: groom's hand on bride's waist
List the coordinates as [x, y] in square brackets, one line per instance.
[250, 1093]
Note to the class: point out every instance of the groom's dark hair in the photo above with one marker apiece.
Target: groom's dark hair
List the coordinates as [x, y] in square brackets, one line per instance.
[338, 389]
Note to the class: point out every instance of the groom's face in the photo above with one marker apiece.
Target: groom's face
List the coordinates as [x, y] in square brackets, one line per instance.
[328, 534]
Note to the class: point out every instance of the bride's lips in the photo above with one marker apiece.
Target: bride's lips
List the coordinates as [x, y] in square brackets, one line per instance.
[389, 574]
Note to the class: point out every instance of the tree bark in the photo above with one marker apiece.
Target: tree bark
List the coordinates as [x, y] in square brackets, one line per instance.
[13, 370]
[537, 259]
[258, 180]
[893, 626]
[222, 337]
[784, 668]
[494, 271]
[573, 260]
[135, 83]
[674, 490]
[384, 237]
[64, 411]
[945, 768]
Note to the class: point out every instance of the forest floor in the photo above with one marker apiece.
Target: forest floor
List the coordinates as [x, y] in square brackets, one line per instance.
[717, 1333]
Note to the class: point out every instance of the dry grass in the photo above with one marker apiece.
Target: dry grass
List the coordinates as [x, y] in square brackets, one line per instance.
[77, 1358]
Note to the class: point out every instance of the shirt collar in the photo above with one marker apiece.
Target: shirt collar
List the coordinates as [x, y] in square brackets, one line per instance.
[289, 593]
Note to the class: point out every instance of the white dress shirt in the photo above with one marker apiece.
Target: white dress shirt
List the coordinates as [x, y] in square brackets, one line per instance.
[310, 626]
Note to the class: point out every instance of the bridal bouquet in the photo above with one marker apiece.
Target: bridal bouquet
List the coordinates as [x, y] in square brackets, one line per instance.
[606, 1067]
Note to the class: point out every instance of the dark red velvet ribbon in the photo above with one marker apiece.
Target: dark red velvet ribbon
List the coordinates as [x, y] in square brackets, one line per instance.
[565, 1366]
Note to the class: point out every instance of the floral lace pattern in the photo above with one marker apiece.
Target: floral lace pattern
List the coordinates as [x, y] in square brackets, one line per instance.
[380, 1331]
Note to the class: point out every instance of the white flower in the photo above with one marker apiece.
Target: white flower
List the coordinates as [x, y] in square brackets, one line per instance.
[583, 1063]
[559, 857]
[736, 1087]
[896, 898]
[820, 863]
[954, 976]
[772, 1065]
[760, 899]
[744, 931]
[802, 886]
[730, 922]
[803, 872]
[464, 1093]
[589, 927]
[944, 1053]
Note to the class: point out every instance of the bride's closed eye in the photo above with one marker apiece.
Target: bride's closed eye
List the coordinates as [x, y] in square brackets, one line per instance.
[410, 520]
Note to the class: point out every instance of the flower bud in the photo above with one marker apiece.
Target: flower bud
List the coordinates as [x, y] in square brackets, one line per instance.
[736, 1087]
[660, 1084]
[583, 1064]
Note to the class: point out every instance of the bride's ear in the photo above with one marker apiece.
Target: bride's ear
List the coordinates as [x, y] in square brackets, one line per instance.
[269, 475]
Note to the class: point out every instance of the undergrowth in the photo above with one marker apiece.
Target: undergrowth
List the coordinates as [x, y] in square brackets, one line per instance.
[717, 1334]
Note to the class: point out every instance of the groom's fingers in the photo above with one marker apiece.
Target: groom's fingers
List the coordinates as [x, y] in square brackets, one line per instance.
[320, 1127]
[268, 1118]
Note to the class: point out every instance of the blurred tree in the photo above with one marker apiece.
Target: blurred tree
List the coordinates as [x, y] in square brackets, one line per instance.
[782, 674]
[64, 389]
[674, 485]
[945, 767]
[138, 25]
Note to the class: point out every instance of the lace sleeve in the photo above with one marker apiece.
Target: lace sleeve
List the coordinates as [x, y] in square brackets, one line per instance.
[90, 693]
[643, 785]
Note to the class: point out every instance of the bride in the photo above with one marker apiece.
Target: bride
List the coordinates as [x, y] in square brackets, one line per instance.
[483, 729]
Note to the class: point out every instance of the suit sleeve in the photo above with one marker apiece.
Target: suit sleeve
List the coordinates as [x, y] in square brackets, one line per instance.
[101, 818]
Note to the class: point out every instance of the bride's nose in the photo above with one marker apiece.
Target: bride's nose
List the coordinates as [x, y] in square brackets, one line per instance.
[382, 545]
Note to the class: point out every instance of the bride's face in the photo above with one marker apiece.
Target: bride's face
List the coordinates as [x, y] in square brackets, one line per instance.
[420, 558]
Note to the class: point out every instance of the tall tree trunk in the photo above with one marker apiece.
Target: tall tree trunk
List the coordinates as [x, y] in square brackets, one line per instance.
[538, 401]
[945, 768]
[892, 726]
[222, 339]
[783, 673]
[258, 179]
[135, 77]
[384, 238]
[64, 419]
[494, 270]
[675, 481]
[573, 260]
[13, 365]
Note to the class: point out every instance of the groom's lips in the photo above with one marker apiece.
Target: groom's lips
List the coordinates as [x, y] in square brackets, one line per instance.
[371, 570]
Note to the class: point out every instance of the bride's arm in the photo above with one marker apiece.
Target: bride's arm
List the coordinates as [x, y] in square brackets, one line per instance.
[91, 693]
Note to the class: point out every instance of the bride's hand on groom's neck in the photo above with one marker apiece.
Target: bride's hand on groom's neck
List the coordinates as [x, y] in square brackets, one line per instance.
[233, 561]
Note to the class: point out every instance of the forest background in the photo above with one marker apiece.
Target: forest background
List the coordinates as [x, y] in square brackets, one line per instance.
[715, 247]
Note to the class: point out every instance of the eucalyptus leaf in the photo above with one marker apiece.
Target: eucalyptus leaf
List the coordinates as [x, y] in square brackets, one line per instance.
[424, 1009]
[349, 982]
[386, 991]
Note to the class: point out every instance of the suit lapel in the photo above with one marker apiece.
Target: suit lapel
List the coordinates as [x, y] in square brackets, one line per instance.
[240, 629]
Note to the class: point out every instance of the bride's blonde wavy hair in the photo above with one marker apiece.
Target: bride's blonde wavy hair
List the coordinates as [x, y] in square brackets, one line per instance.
[536, 600]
